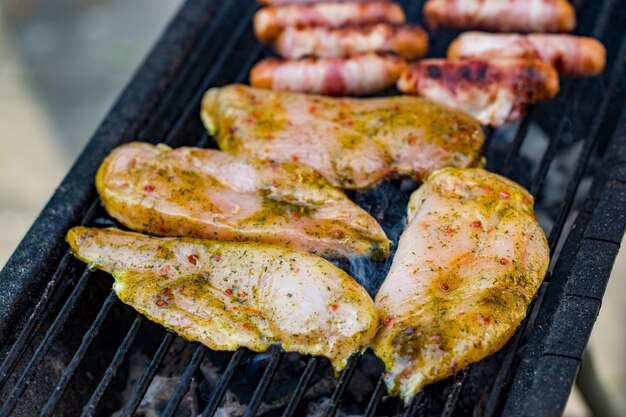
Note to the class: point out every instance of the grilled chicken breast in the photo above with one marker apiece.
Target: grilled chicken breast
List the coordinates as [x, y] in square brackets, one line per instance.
[227, 295]
[493, 91]
[467, 267]
[214, 195]
[501, 16]
[408, 41]
[270, 21]
[354, 143]
[356, 76]
[575, 56]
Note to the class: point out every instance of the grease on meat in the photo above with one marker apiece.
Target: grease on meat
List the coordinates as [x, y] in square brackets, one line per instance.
[227, 295]
[468, 264]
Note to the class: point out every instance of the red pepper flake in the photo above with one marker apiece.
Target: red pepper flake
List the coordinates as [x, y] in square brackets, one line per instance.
[454, 364]
[476, 224]
[349, 123]
[312, 109]
[483, 319]
[159, 247]
[308, 254]
[161, 303]
[217, 258]
[228, 292]
[295, 158]
[246, 326]
[412, 140]
[297, 270]
[165, 270]
[162, 230]
[389, 320]
[443, 286]
[450, 231]
[275, 184]
[148, 188]
[505, 194]
[192, 259]
[334, 307]
[461, 313]
[337, 233]
[295, 215]
[504, 261]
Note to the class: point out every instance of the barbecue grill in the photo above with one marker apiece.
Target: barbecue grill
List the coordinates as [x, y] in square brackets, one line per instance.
[69, 347]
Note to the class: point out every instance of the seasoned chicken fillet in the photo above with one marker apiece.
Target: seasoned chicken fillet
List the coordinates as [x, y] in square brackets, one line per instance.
[214, 195]
[354, 143]
[227, 295]
[467, 267]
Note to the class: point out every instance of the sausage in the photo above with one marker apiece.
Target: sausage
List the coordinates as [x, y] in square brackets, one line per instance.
[494, 91]
[574, 56]
[408, 41]
[501, 16]
[357, 75]
[270, 21]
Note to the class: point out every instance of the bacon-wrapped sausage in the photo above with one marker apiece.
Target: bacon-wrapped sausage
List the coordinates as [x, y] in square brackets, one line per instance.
[494, 91]
[355, 76]
[501, 15]
[574, 56]
[408, 41]
[270, 21]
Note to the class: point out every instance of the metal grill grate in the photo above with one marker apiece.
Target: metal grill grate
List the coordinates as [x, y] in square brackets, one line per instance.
[210, 43]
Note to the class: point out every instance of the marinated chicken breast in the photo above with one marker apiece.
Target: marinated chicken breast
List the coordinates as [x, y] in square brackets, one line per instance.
[214, 195]
[227, 295]
[575, 56]
[270, 21]
[501, 16]
[468, 265]
[355, 76]
[494, 91]
[408, 41]
[354, 143]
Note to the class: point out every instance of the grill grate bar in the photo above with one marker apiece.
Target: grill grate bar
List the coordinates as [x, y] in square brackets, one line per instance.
[415, 404]
[264, 383]
[588, 145]
[301, 388]
[235, 36]
[346, 376]
[217, 395]
[173, 96]
[459, 380]
[377, 396]
[117, 360]
[185, 381]
[516, 146]
[68, 373]
[34, 321]
[146, 378]
[43, 347]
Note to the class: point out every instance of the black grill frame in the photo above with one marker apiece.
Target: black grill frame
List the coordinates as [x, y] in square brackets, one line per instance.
[161, 103]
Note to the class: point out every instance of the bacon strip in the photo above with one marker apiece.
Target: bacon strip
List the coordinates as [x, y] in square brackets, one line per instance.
[358, 75]
[494, 91]
[270, 21]
[502, 16]
[408, 41]
[574, 56]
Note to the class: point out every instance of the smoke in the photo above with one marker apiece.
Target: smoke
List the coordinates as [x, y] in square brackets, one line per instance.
[387, 203]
